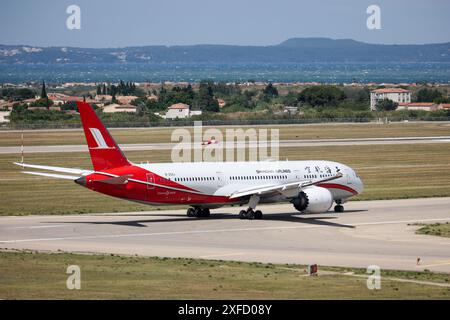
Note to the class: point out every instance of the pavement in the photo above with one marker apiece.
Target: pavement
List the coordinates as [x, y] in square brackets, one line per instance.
[369, 232]
[282, 143]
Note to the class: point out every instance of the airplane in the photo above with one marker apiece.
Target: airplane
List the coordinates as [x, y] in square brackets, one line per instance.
[311, 186]
[210, 141]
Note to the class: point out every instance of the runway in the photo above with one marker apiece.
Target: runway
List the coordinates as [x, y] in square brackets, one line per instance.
[282, 143]
[369, 232]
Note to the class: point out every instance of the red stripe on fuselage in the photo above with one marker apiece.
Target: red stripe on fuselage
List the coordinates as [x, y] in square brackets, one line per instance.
[337, 186]
[159, 192]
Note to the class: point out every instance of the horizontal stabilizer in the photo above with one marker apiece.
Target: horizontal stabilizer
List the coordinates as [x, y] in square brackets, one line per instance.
[52, 175]
[57, 169]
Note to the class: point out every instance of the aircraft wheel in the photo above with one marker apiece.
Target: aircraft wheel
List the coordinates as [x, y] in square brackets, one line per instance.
[338, 208]
[205, 213]
[198, 212]
[190, 212]
[258, 214]
[250, 214]
[242, 214]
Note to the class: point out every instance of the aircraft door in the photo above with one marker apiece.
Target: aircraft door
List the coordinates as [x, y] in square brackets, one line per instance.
[220, 179]
[150, 187]
[297, 175]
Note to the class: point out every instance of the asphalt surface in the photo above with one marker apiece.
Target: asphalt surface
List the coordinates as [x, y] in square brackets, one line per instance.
[369, 232]
[282, 143]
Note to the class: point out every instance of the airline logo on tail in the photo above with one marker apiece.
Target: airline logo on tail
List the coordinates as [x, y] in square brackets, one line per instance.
[98, 137]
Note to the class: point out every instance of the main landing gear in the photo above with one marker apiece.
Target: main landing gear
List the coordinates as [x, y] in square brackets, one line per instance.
[250, 214]
[338, 207]
[198, 212]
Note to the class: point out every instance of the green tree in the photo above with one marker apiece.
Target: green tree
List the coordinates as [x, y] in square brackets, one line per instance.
[386, 105]
[17, 94]
[43, 91]
[42, 102]
[270, 90]
[428, 95]
[205, 100]
[322, 96]
[290, 99]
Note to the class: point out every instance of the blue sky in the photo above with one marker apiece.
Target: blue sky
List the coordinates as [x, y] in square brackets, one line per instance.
[243, 22]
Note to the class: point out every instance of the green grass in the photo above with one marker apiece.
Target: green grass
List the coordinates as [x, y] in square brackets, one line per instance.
[436, 229]
[291, 132]
[43, 276]
[388, 172]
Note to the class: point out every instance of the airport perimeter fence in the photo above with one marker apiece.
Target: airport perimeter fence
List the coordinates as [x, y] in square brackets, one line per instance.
[239, 122]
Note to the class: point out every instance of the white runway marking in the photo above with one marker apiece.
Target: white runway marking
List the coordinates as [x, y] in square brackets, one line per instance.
[222, 255]
[39, 227]
[434, 265]
[109, 236]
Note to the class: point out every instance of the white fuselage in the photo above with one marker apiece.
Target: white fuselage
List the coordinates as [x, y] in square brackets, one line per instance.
[224, 178]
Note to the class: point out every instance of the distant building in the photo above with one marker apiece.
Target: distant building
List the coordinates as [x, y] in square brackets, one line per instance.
[113, 108]
[445, 106]
[59, 98]
[290, 109]
[7, 105]
[103, 97]
[178, 110]
[125, 99]
[221, 103]
[4, 116]
[425, 106]
[395, 94]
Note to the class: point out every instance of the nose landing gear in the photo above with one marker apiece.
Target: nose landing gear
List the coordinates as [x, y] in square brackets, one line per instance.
[338, 207]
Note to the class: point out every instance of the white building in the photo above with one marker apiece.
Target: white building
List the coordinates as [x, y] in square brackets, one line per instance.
[395, 94]
[291, 110]
[4, 116]
[180, 110]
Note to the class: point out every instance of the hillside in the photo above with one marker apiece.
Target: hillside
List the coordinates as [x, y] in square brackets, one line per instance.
[291, 50]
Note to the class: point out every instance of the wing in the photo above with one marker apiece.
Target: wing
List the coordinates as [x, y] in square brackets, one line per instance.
[280, 187]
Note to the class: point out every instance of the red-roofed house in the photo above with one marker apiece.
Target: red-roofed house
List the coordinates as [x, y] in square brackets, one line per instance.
[59, 98]
[398, 95]
[178, 110]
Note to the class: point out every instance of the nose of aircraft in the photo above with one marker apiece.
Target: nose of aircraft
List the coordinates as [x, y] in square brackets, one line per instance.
[359, 185]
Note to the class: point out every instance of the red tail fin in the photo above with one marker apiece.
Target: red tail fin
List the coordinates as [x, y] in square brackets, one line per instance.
[105, 153]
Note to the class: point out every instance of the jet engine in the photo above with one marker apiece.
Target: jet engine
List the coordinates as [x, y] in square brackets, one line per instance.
[313, 200]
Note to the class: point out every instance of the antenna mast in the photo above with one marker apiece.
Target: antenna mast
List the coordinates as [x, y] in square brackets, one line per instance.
[21, 149]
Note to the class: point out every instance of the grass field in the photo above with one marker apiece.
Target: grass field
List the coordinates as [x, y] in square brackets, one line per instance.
[436, 229]
[388, 172]
[43, 276]
[289, 132]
